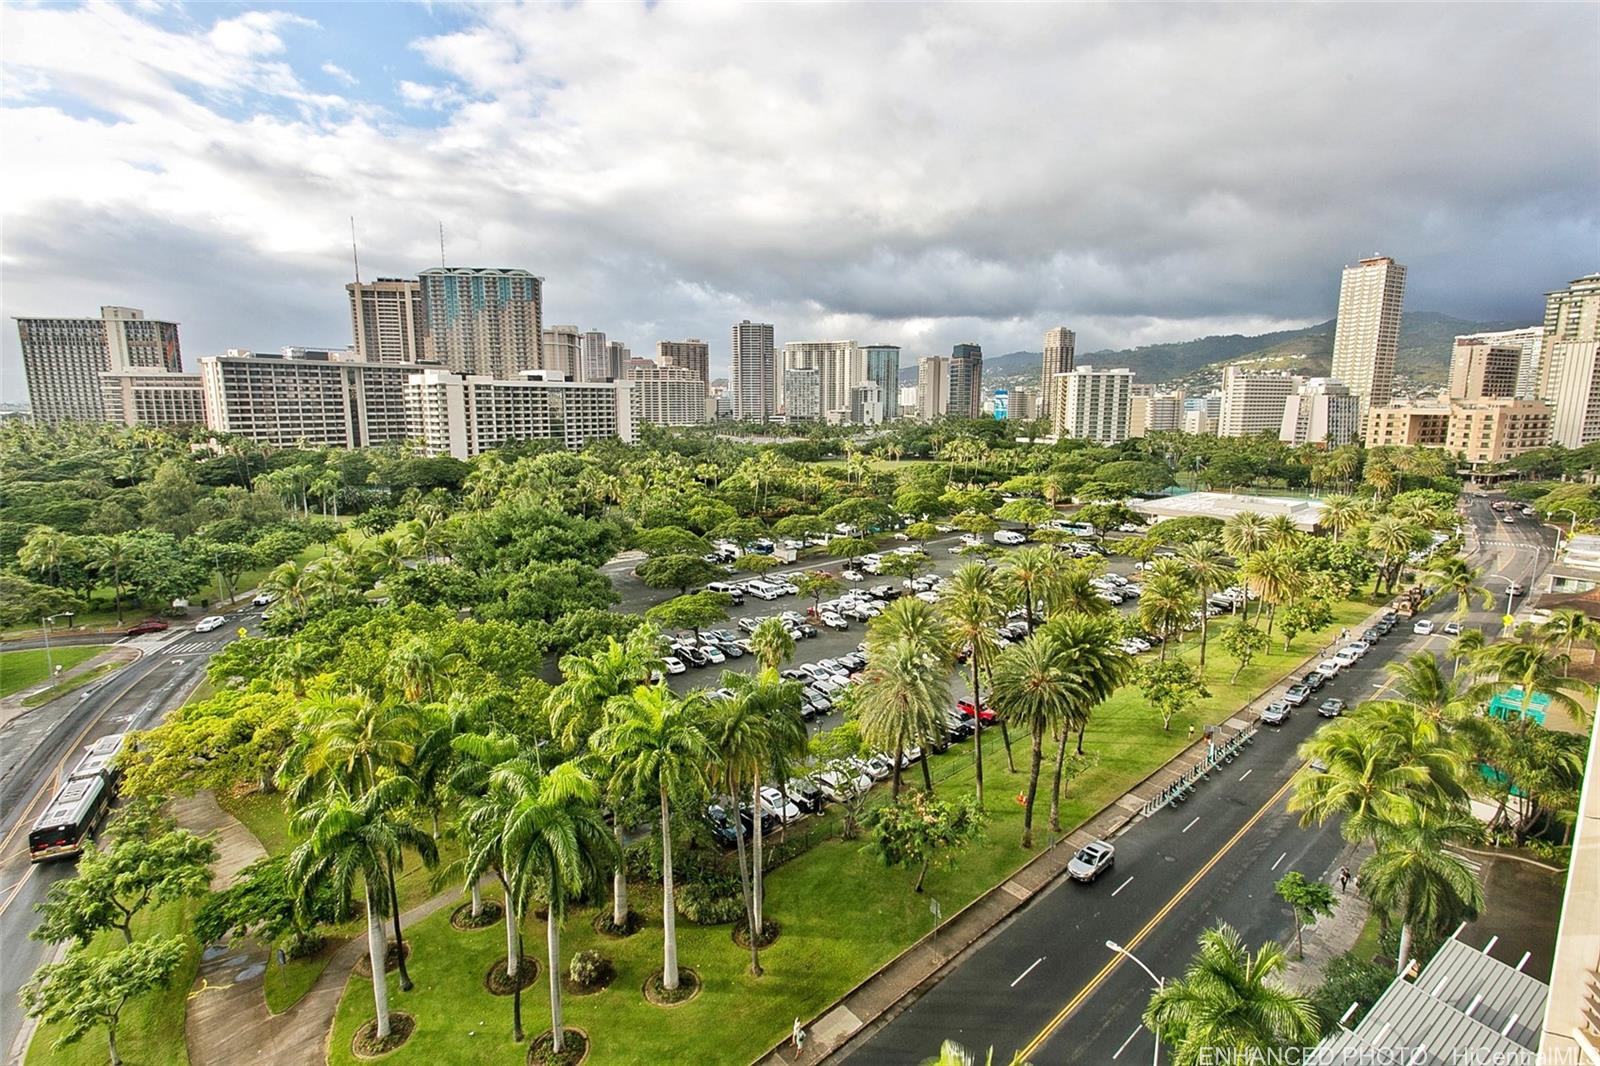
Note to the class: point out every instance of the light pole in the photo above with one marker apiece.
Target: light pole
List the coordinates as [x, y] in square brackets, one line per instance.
[1571, 531]
[1160, 984]
[1510, 592]
[49, 664]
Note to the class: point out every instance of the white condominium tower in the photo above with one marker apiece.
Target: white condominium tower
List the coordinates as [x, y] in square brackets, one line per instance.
[751, 361]
[933, 386]
[483, 320]
[1368, 330]
[1572, 361]
[386, 320]
[1092, 404]
[1060, 346]
[1320, 412]
[563, 352]
[839, 368]
[63, 358]
[1253, 403]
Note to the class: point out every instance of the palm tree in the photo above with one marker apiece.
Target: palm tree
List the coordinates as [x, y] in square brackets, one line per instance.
[781, 733]
[1207, 569]
[1089, 644]
[973, 612]
[287, 581]
[1454, 576]
[1033, 686]
[1230, 1002]
[110, 556]
[1275, 577]
[555, 841]
[1025, 574]
[1281, 531]
[482, 828]
[1467, 645]
[1393, 539]
[772, 643]
[1245, 534]
[45, 551]
[655, 743]
[1414, 875]
[348, 836]
[918, 621]
[1570, 626]
[1362, 781]
[1165, 606]
[903, 695]
[1530, 665]
[1069, 592]
[738, 736]
[418, 666]
[1340, 513]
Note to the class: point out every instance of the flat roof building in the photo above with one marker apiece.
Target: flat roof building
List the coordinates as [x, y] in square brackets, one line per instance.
[1367, 333]
[387, 320]
[337, 403]
[933, 387]
[152, 398]
[464, 415]
[1253, 402]
[753, 366]
[483, 320]
[667, 395]
[965, 396]
[1321, 411]
[1091, 404]
[693, 355]
[1482, 367]
[1571, 370]
[63, 358]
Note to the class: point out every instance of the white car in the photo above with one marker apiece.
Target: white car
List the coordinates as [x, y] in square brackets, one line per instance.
[1345, 657]
[853, 575]
[713, 653]
[673, 664]
[833, 621]
[772, 803]
[210, 622]
[840, 785]
[263, 599]
[1423, 626]
[1330, 668]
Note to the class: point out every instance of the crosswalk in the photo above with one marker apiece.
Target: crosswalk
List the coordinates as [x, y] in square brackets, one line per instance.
[192, 647]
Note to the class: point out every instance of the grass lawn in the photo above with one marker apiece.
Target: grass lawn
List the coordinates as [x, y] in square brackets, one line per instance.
[151, 1029]
[843, 914]
[1366, 944]
[286, 985]
[19, 669]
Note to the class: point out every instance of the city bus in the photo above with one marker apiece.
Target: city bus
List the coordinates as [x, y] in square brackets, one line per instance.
[78, 807]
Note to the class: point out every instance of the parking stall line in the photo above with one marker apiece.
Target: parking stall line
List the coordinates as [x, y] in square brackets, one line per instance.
[1285, 855]
[1026, 972]
[1247, 773]
[1192, 824]
[1122, 886]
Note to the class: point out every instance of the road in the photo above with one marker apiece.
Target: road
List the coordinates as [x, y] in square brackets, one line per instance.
[40, 746]
[1046, 983]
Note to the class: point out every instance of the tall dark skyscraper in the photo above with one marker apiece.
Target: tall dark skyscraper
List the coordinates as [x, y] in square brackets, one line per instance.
[966, 381]
[883, 367]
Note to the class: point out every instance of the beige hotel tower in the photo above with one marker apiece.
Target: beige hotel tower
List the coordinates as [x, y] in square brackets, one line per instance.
[1368, 331]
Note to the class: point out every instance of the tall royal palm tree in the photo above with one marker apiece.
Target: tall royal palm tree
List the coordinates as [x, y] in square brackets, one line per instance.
[346, 837]
[1206, 568]
[973, 612]
[111, 558]
[1245, 534]
[902, 700]
[1033, 686]
[656, 744]
[771, 643]
[738, 733]
[556, 842]
[1275, 577]
[482, 829]
[1412, 873]
[1393, 539]
[1230, 1002]
[1166, 605]
[1090, 645]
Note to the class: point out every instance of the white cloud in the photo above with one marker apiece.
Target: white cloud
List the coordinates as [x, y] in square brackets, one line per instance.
[338, 73]
[920, 175]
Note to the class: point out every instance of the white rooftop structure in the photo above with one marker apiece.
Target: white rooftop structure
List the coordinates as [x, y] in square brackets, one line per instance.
[1224, 505]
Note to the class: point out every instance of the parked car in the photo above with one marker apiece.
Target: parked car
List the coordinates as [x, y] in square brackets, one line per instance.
[748, 625]
[712, 653]
[1332, 707]
[731, 649]
[965, 709]
[1314, 680]
[1091, 861]
[853, 575]
[262, 599]
[673, 664]
[1371, 635]
[149, 625]
[1010, 536]
[838, 786]
[877, 767]
[1423, 626]
[1346, 657]
[1330, 668]
[722, 830]
[693, 656]
[1452, 629]
[773, 803]
[805, 794]
[833, 621]
[1296, 695]
[210, 622]
[1277, 713]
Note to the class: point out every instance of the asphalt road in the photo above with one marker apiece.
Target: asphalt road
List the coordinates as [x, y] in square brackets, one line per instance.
[37, 748]
[1046, 982]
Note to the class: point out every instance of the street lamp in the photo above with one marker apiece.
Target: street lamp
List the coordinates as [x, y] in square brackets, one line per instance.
[1572, 531]
[1160, 984]
[49, 664]
[1510, 591]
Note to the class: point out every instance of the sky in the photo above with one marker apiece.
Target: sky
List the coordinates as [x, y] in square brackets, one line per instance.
[921, 175]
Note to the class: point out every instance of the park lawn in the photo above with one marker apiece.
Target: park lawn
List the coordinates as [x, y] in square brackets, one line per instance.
[151, 1031]
[843, 914]
[24, 667]
[286, 985]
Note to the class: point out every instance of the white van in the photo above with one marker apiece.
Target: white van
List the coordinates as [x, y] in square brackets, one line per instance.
[761, 590]
[1009, 536]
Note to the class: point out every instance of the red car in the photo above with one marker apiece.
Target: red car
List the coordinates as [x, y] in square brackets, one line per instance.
[152, 625]
[986, 715]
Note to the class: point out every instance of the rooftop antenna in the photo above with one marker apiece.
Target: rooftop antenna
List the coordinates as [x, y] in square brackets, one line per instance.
[441, 244]
[353, 255]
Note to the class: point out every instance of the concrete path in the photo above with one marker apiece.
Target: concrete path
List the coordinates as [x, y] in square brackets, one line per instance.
[1335, 935]
[228, 1023]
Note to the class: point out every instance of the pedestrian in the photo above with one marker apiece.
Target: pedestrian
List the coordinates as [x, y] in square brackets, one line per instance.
[799, 1039]
[1344, 878]
[1191, 732]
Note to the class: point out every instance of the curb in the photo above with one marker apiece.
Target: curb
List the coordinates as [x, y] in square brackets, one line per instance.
[1013, 893]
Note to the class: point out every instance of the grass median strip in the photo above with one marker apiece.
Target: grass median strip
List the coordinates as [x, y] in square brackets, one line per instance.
[27, 666]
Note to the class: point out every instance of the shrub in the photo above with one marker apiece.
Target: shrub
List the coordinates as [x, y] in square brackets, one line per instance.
[1349, 980]
[590, 968]
[710, 903]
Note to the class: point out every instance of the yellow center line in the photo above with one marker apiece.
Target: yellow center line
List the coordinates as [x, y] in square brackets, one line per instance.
[1116, 959]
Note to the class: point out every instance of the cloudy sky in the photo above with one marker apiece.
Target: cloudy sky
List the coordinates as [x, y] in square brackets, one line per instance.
[920, 175]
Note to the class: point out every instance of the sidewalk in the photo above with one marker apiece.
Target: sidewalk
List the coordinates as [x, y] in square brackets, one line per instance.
[1335, 935]
[228, 1023]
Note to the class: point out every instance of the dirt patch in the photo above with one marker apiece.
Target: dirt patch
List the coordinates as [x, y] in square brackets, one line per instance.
[574, 1049]
[489, 914]
[688, 988]
[603, 925]
[391, 960]
[497, 981]
[770, 930]
[366, 1044]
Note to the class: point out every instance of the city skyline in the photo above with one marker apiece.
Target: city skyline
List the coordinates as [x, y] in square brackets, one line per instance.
[223, 215]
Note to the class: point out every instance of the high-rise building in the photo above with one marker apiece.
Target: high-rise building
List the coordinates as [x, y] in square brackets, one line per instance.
[1060, 348]
[751, 361]
[619, 355]
[1475, 432]
[596, 363]
[1481, 367]
[933, 387]
[63, 358]
[1253, 402]
[1419, 423]
[866, 403]
[1321, 411]
[882, 365]
[1529, 343]
[666, 395]
[285, 399]
[839, 368]
[966, 381]
[1572, 361]
[464, 415]
[1367, 333]
[1152, 411]
[563, 352]
[802, 394]
[483, 320]
[387, 320]
[1092, 404]
[152, 397]
[908, 398]
[692, 354]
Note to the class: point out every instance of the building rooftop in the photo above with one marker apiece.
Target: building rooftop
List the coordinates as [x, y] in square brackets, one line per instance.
[1224, 505]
